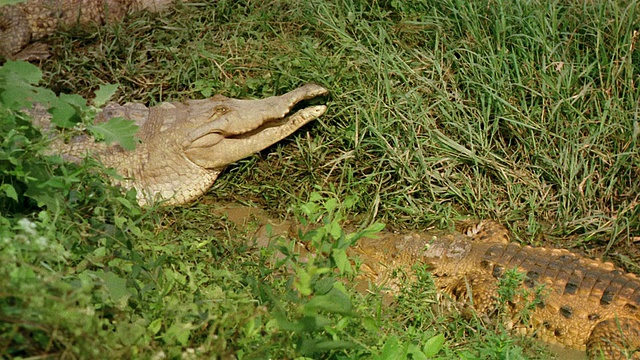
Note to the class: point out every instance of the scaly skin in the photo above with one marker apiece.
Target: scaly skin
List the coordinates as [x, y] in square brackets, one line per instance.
[32, 20]
[185, 146]
[585, 304]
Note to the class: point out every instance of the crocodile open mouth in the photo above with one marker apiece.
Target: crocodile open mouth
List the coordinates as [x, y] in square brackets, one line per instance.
[298, 111]
[319, 99]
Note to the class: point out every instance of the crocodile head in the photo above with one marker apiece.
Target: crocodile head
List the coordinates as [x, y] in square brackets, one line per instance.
[236, 128]
[185, 146]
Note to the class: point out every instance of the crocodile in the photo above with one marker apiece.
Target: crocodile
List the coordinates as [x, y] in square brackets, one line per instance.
[575, 302]
[26, 22]
[185, 145]
[572, 303]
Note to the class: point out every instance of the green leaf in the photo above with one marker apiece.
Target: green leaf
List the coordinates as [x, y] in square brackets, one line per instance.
[284, 324]
[315, 197]
[116, 130]
[9, 191]
[335, 301]
[104, 94]
[371, 325]
[324, 285]
[38, 187]
[119, 221]
[415, 352]
[178, 331]
[64, 114]
[433, 345]
[21, 94]
[176, 276]
[304, 324]
[349, 202]
[342, 260]
[392, 350]
[10, 2]
[334, 229]
[330, 205]
[21, 71]
[56, 183]
[75, 100]
[155, 326]
[126, 203]
[204, 87]
[22, 275]
[370, 231]
[311, 346]
[303, 282]
[310, 209]
[117, 288]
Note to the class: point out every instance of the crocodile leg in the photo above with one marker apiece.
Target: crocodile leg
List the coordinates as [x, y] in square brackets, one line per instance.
[612, 337]
[466, 290]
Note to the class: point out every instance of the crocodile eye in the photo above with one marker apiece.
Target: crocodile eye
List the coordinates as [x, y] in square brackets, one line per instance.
[221, 110]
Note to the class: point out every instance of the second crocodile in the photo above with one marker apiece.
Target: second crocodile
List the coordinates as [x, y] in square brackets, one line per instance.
[32, 20]
[584, 304]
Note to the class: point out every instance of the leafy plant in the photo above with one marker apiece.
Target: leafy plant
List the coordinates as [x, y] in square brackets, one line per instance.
[323, 306]
[30, 175]
[62, 227]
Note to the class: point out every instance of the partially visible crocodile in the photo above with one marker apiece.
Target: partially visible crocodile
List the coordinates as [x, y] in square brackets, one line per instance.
[32, 20]
[584, 304]
[588, 304]
[185, 145]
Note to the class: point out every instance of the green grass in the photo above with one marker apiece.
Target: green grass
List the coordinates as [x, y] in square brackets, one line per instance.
[525, 112]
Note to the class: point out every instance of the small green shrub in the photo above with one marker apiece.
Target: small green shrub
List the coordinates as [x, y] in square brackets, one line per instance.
[63, 229]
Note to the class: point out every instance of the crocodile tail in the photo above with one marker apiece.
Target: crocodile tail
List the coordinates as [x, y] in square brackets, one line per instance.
[615, 338]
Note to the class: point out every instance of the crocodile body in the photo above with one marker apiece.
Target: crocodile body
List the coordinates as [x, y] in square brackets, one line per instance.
[573, 302]
[29, 21]
[584, 304]
[185, 145]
